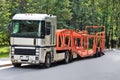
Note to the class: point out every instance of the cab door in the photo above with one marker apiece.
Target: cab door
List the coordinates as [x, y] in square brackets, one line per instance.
[48, 31]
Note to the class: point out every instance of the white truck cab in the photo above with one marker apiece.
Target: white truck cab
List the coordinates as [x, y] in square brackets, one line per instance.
[33, 39]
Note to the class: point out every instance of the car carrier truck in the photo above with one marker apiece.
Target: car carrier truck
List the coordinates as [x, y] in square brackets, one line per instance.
[35, 39]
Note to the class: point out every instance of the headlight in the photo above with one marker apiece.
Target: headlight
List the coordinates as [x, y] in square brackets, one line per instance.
[12, 50]
[37, 51]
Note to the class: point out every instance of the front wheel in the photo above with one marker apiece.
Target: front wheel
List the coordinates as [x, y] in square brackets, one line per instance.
[47, 61]
[16, 64]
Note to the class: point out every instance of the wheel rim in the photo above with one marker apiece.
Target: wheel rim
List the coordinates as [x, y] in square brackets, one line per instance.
[100, 51]
[48, 60]
[67, 57]
[97, 54]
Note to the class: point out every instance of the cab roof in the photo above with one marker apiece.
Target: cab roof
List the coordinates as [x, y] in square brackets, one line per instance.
[30, 16]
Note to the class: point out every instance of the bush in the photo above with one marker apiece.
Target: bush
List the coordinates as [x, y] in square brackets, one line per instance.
[4, 51]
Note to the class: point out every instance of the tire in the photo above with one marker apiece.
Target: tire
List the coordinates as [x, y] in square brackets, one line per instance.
[71, 58]
[16, 64]
[97, 53]
[101, 53]
[78, 57]
[47, 61]
[67, 57]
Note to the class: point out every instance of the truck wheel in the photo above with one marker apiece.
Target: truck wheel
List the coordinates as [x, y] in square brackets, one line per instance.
[47, 60]
[78, 57]
[71, 58]
[97, 53]
[16, 64]
[100, 53]
[67, 57]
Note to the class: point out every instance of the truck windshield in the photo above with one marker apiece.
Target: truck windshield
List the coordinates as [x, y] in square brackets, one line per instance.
[26, 28]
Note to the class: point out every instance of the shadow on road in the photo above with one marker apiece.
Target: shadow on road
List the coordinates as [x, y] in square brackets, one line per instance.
[59, 63]
[25, 67]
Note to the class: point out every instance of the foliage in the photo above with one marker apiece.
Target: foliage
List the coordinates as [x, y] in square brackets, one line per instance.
[4, 51]
[74, 14]
[4, 19]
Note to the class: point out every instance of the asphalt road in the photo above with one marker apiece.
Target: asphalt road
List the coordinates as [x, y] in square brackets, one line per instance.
[106, 67]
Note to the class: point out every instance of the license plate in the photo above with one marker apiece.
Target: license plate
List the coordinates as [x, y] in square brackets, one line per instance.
[24, 58]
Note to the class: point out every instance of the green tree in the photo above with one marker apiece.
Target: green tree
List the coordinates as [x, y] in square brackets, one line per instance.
[75, 14]
[4, 19]
[60, 8]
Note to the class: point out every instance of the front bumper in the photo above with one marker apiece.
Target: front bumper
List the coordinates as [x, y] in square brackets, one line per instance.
[25, 59]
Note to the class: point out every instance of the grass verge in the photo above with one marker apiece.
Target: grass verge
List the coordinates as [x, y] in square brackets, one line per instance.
[4, 52]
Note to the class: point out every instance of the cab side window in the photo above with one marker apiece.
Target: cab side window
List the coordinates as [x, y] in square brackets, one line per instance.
[42, 35]
[48, 28]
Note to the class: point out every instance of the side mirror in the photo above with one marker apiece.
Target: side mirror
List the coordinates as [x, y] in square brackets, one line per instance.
[9, 28]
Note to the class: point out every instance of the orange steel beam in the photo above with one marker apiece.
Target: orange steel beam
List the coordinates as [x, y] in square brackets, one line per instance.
[67, 39]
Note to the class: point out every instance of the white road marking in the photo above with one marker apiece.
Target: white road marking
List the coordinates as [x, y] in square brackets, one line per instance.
[1, 68]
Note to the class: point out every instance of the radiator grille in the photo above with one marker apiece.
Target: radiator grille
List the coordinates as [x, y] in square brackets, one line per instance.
[25, 51]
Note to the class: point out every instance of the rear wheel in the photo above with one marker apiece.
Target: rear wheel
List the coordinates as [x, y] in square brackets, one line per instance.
[78, 57]
[101, 53]
[16, 64]
[67, 57]
[71, 58]
[47, 60]
[97, 53]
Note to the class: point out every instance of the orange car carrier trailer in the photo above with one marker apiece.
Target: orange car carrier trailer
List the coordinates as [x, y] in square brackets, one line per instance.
[34, 39]
[78, 42]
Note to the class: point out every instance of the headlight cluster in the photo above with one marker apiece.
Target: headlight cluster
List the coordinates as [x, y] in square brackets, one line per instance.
[37, 51]
[12, 50]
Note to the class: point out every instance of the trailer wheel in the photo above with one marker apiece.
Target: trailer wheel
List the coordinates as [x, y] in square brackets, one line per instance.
[16, 64]
[101, 53]
[47, 61]
[67, 57]
[97, 53]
